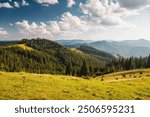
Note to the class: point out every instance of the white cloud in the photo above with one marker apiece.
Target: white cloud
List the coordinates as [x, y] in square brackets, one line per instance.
[5, 5]
[70, 3]
[33, 30]
[68, 24]
[101, 13]
[3, 32]
[16, 4]
[47, 1]
[96, 15]
[25, 3]
[71, 23]
[10, 24]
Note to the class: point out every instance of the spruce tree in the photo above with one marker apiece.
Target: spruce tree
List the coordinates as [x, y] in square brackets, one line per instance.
[91, 69]
[148, 62]
[84, 69]
[69, 68]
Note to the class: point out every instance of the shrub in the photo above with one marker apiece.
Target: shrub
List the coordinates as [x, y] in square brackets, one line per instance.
[141, 72]
[123, 75]
[102, 79]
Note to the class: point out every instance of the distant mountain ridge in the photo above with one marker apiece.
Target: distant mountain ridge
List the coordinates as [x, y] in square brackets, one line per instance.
[97, 53]
[126, 48]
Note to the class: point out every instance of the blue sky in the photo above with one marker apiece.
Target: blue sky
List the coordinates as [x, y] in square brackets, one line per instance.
[75, 19]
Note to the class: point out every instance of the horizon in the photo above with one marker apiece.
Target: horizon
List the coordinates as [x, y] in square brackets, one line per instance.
[115, 20]
[76, 40]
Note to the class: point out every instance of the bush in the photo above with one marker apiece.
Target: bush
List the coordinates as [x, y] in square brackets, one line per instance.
[141, 72]
[102, 79]
[123, 75]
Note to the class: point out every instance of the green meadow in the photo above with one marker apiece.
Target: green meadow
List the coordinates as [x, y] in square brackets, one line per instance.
[128, 85]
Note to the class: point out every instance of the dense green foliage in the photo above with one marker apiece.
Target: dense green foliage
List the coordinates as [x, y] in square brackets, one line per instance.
[97, 53]
[128, 64]
[45, 57]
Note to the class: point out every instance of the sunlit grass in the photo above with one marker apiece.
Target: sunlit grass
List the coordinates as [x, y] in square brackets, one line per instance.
[57, 87]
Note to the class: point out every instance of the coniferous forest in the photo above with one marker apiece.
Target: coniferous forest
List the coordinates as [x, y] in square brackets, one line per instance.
[45, 56]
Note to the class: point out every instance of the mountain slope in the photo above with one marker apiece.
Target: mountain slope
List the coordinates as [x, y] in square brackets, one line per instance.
[44, 56]
[97, 53]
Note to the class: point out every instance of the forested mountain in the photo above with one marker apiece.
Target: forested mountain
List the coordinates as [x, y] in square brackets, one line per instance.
[45, 56]
[97, 53]
[71, 42]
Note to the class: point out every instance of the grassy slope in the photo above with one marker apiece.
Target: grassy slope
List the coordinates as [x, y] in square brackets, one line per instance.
[38, 86]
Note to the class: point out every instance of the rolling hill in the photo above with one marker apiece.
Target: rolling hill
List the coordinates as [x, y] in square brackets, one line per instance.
[97, 53]
[29, 86]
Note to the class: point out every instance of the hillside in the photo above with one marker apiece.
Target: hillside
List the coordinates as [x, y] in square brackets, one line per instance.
[126, 48]
[43, 56]
[97, 53]
[117, 86]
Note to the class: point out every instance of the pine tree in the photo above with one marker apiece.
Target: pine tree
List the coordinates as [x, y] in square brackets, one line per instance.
[132, 63]
[148, 62]
[91, 69]
[69, 68]
[84, 69]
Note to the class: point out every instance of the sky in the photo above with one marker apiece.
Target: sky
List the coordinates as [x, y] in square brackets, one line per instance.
[75, 19]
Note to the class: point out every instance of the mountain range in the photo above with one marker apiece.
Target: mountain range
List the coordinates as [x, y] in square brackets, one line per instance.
[125, 48]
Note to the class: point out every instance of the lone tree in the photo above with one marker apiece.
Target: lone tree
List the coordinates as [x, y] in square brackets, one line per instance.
[84, 69]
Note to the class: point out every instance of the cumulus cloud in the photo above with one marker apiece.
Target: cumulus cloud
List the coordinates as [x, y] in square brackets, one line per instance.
[102, 12]
[70, 3]
[5, 5]
[33, 29]
[25, 3]
[21, 3]
[16, 4]
[134, 4]
[72, 23]
[3, 32]
[96, 14]
[47, 1]
[10, 24]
